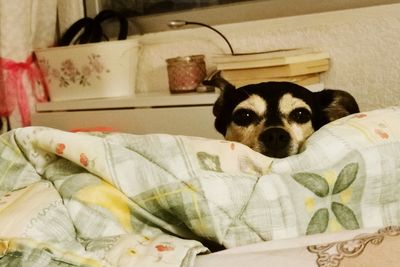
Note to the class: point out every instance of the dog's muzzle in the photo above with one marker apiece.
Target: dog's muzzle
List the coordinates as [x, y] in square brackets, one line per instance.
[276, 142]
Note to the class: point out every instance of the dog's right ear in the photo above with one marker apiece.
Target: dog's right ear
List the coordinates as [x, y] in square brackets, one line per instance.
[224, 99]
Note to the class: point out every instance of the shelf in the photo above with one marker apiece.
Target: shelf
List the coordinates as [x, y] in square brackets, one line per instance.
[144, 100]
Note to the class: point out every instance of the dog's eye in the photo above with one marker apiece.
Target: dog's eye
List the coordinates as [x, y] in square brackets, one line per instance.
[300, 115]
[244, 117]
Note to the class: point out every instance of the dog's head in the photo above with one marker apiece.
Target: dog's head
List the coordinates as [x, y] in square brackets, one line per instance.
[275, 118]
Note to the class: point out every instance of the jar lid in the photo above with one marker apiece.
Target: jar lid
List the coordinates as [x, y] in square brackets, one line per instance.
[193, 58]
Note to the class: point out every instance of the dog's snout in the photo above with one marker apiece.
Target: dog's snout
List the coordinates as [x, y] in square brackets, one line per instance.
[276, 141]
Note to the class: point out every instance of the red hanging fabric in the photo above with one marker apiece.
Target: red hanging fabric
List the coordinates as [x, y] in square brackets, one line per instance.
[13, 91]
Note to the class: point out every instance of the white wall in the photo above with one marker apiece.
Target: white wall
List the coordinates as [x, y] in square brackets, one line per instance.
[364, 45]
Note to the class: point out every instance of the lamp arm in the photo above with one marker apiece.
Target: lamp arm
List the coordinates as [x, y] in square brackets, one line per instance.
[215, 30]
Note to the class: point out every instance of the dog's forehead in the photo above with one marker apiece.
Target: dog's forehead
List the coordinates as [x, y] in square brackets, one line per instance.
[282, 95]
[288, 102]
[275, 89]
[254, 102]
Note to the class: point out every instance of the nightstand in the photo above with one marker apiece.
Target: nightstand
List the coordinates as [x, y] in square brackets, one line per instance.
[158, 112]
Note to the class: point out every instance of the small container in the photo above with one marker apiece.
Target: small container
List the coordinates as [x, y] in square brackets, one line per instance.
[186, 73]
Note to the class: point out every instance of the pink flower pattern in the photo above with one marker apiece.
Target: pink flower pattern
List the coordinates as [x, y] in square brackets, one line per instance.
[69, 74]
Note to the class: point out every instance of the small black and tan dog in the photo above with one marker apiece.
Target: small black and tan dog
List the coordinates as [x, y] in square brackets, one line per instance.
[275, 118]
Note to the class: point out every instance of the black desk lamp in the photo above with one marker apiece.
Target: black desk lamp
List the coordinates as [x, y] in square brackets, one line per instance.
[180, 23]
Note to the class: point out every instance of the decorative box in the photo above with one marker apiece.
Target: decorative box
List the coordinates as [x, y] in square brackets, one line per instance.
[94, 70]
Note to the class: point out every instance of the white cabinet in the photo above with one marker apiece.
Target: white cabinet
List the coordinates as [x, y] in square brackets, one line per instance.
[183, 114]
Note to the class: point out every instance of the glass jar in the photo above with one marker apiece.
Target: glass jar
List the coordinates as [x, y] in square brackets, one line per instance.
[186, 73]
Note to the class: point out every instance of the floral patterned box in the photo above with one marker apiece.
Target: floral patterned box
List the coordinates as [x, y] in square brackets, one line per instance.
[95, 70]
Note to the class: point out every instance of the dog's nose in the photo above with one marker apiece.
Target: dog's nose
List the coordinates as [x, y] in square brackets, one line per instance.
[275, 140]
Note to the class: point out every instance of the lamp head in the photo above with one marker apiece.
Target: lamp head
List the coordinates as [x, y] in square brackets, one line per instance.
[180, 23]
[174, 24]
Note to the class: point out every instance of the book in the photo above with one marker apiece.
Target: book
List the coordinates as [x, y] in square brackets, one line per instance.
[296, 69]
[273, 61]
[315, 87]
[302, 80]
[261, 55]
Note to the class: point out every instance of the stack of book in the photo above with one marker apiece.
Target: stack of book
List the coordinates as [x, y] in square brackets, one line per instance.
[301, 65]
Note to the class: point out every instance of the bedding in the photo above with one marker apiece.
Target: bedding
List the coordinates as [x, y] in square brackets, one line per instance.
[94, 199]
[363, 247]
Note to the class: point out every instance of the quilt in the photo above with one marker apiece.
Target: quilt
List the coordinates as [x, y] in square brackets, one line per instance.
[117, 199]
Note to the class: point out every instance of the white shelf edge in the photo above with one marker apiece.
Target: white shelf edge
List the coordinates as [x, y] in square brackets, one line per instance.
[153, 99]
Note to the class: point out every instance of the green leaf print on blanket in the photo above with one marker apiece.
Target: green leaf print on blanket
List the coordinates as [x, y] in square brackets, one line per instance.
[345, 178]
[319, 221]
[345, 216]
[209, 162]
[314, 182]
[320, 187]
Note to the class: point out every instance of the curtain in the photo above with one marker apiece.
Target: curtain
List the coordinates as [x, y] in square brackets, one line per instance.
[26, 25]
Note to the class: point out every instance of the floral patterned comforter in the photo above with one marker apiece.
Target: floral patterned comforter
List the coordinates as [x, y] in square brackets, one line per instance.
[80, 199]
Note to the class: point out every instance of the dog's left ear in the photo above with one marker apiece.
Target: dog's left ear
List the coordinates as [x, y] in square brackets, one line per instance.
[227, 89]
[335, 104]
[224, 103]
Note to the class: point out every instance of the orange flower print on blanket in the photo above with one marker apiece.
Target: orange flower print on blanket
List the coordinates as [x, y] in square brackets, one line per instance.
[83, 159]
[360, 115]
[60, 147]
[165, 247]
[232, 146]
[382, 134]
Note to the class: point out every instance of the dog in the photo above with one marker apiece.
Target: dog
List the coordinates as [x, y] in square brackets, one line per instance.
[276, 118]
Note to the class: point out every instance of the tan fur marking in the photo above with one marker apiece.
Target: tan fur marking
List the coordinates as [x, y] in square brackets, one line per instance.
[287, 103]
[335, 110]
[255, 103]
[298, 132]
[247, 135]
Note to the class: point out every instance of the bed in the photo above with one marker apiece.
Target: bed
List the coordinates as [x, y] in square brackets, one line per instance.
[117, 199]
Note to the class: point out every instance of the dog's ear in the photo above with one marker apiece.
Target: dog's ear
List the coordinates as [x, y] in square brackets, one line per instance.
[221, 105]
[227, 89]
[335, 104]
